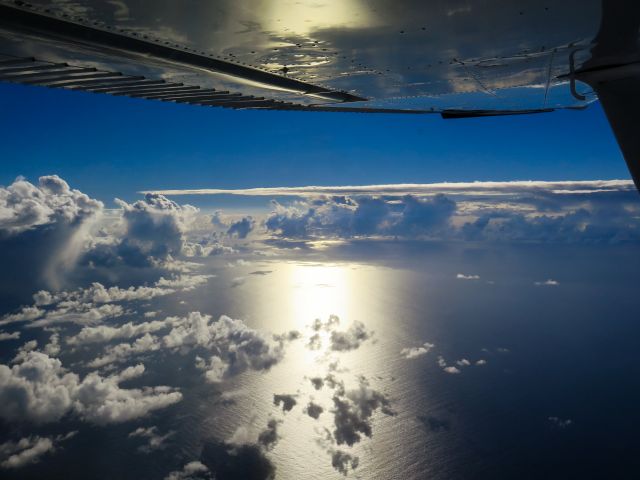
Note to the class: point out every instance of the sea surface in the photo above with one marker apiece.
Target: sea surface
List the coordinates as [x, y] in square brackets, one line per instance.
[551, 336]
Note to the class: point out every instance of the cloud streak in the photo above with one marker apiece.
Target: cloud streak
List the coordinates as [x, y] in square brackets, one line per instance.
[416, 189]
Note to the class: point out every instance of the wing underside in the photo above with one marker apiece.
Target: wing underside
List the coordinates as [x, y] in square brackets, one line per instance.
[53, 45]
[460, 58]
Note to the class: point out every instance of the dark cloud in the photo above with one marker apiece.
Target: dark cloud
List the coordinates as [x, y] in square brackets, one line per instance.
[363, 216]
[509, 214]
[593, 224]
[332, 322]
[231, 462]
[353, 410]
[313, 410]
[343, 462]
[351, 338]
[241, 228]
[269, 437]
[288, 401]
[317, 382]
[290, 223]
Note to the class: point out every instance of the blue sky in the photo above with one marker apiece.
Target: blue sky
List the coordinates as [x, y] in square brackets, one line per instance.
[115, 146]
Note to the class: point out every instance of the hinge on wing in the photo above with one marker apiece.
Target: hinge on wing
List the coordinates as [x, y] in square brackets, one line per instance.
[572, 76]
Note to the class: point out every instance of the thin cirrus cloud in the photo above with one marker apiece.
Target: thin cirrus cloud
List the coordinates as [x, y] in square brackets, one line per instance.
[588, 186]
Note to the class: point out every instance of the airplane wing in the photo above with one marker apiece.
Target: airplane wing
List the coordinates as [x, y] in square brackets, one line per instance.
[457, 58]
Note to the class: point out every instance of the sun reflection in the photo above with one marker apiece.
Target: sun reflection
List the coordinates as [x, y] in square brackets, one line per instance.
[303, 17]
[318, 292]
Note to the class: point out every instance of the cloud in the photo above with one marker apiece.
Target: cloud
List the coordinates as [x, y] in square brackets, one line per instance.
[24, 315]
[29, 450]
[317, 382]
[105, 333]
[593, 220]
[458, 364]
[343, 462]
[416, 189]
[65, 312]
[560, 423]
[447, 368]
[93, 304]
[351, 338]
[217, 248]
[123, 351]
[313, 410]
[332, 322]
[414, 352]
[9, 336]
[547, 283]
[191, 471]
[150, 234]
[155, 441]
[315, 342]
[269, 437]
[353, 410]
[544, 212]
[53, 347]
[241, 228]
[24, 206]
[39, 389]
[43, 229]
[363, 216]
[462, 276]
[214, 370]
[290, 222]
[234, 347]
[155, 226]
[184, 283]
[238, 461]
[288, 401]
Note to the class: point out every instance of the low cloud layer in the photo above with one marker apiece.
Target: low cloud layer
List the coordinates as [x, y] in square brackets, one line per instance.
[365, 216]
[521, 215]
[91, 305]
